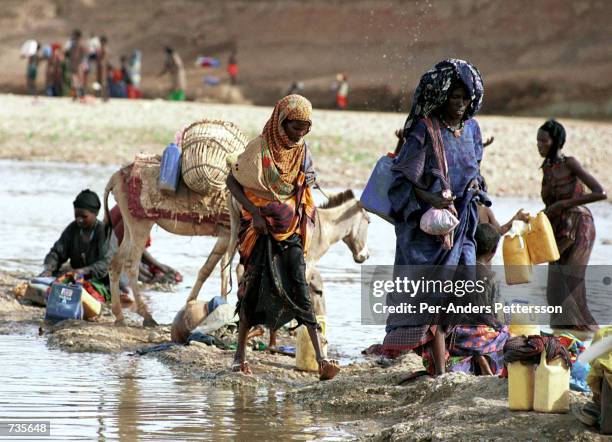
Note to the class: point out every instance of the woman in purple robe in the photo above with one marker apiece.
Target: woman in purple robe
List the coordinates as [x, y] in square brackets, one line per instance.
[438, 166]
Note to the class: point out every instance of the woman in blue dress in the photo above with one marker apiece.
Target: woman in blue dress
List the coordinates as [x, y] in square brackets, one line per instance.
[441, 174]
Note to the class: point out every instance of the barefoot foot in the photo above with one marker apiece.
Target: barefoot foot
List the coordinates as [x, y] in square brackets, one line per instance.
[328, 369]
[255, 331]
[241, 367]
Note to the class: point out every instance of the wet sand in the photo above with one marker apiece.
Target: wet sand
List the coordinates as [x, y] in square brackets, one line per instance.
[365, 397]
[345, 145]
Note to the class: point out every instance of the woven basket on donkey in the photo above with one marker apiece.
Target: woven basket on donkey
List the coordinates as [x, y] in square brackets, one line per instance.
[206, 145]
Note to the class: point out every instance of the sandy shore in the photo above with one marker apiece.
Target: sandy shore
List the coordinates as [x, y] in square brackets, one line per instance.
[365, 398]
[345, 145]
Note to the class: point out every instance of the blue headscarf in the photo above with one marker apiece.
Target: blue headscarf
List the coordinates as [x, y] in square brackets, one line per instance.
[433, 89]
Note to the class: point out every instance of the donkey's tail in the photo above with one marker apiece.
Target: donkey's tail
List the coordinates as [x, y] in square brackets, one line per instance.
[107, 218]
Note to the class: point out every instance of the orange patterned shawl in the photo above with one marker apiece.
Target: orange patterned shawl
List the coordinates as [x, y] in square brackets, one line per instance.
[271, 171]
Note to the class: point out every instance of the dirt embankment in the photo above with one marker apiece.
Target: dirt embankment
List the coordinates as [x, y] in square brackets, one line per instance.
[550, 57]
[345, 145]
[365, 398]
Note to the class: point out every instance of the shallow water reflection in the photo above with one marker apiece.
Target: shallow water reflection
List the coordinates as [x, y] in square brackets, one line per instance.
[120, 397]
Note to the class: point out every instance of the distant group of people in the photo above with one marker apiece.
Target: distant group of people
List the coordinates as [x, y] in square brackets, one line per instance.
[69, 68]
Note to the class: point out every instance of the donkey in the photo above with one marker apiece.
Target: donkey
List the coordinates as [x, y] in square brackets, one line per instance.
[136, 232]
[348, 221]
[341, 218]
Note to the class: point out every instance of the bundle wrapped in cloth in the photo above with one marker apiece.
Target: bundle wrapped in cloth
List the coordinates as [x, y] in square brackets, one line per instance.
[211, 315]
[529, 348]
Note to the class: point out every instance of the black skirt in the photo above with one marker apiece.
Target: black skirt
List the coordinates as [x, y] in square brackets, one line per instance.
[273, 289]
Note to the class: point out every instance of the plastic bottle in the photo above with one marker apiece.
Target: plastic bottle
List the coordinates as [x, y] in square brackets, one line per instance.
[521, 378]
[91, 306]
[305, 357]
[64, 302]
[551, 392]
[170, 168]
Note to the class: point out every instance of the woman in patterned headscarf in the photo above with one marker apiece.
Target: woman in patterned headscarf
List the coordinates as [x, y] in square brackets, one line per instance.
[271, 180]
[438, 166]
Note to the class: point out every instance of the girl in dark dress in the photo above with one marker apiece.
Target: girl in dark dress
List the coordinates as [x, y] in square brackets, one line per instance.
[563, 192]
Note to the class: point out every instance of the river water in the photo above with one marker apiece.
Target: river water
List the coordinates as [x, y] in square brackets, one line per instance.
[119, 397]
[110, 397]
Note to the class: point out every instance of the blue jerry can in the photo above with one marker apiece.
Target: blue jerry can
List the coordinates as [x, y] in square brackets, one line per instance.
[64, 302]
[170, 168]
[374, 197]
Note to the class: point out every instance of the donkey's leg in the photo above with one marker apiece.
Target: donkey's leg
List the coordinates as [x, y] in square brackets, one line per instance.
[114, 273]
[226, 270]
[234, 211]
[232, 248]
[316, 292]
[139, 232]
[211, 262]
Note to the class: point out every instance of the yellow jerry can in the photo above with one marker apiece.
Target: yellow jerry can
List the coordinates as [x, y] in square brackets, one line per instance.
[305, 357]
[540, 240]
[91, 306]
[517, 264]
[521, 378]
[551, 393]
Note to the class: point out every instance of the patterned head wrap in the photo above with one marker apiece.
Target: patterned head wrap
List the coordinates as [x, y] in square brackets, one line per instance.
[434, 87]
[281, 157]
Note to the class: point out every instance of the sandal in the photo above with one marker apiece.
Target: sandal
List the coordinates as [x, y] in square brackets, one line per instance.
[242, 367]
[328, 369]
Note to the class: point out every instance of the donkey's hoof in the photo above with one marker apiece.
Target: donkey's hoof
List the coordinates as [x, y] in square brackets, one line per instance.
[120, 322]
[149, 322]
